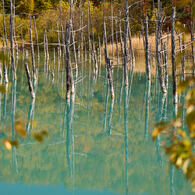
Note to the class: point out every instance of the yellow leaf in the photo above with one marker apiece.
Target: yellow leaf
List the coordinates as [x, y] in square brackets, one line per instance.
[38, 137]
[184, 84]
[9, 143]
[155, 133]
[177, 123]
[181, 132]
[185, 166]
[44, 132]
[20, 128]
[190, 121]
[2, 89]
[179, 162]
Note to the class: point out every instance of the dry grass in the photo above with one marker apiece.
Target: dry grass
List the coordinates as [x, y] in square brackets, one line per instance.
[138, 45]
[138, 48]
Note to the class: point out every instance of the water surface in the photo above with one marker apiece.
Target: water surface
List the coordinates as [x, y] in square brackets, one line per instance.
[95, 146]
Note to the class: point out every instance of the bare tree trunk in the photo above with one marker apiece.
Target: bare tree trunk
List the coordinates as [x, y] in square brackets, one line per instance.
[131, 46]
[69, 75]
[74, 51]
[32, 51]
[89, 31]
[81, 31]
[112, 29]
[1, 75]
[58, 37]
[29, 81]
[46, 52]
[160, 71]
[100, 55]
[12, 40]
[62, 35]
[5, 73]
[120, 35]
[117, 50]
[125, 60]
[95, 58]
[173, 55]
[108, 64]
[4, 27]
[37, 39]
[23, 54]
[148, 72]
[183, 59]
[165, 65]
[14, 32]
[192, 37]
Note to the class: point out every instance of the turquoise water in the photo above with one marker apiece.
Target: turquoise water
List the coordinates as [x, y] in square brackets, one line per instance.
[94, 146]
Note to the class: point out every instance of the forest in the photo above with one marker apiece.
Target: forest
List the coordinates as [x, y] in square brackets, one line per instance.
[97, 97]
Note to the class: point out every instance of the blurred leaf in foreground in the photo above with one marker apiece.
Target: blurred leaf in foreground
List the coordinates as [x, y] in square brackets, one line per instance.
[2, 89]
[20, 128]
[10, 143]
[40, 136]
[181, 142]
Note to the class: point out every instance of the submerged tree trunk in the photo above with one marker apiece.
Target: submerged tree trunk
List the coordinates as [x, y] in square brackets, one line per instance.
[125, 57]
[69, 74]
[173, 55]
[4, 28]
[192, 37]
[160, 70]
[29, 81]
[147, 50]
[12, 40]
[37, 39]
[108, 64]
[32, 51]
[165, 65]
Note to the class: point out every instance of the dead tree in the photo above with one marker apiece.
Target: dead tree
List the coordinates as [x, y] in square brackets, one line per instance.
[58, 37]
[4, 28]
[125, 57]
[120, 34]
[131, 47]
[32, 51]
[108, 63]
[30, 85]
[89, 29]
[1, 74]
[112, 29]
[69, 74]
[12, 40]
[165, 65]
[173, 55]
[192, 36]
[36, 35]
[147, 49]
[160, 68]
[14, 32]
